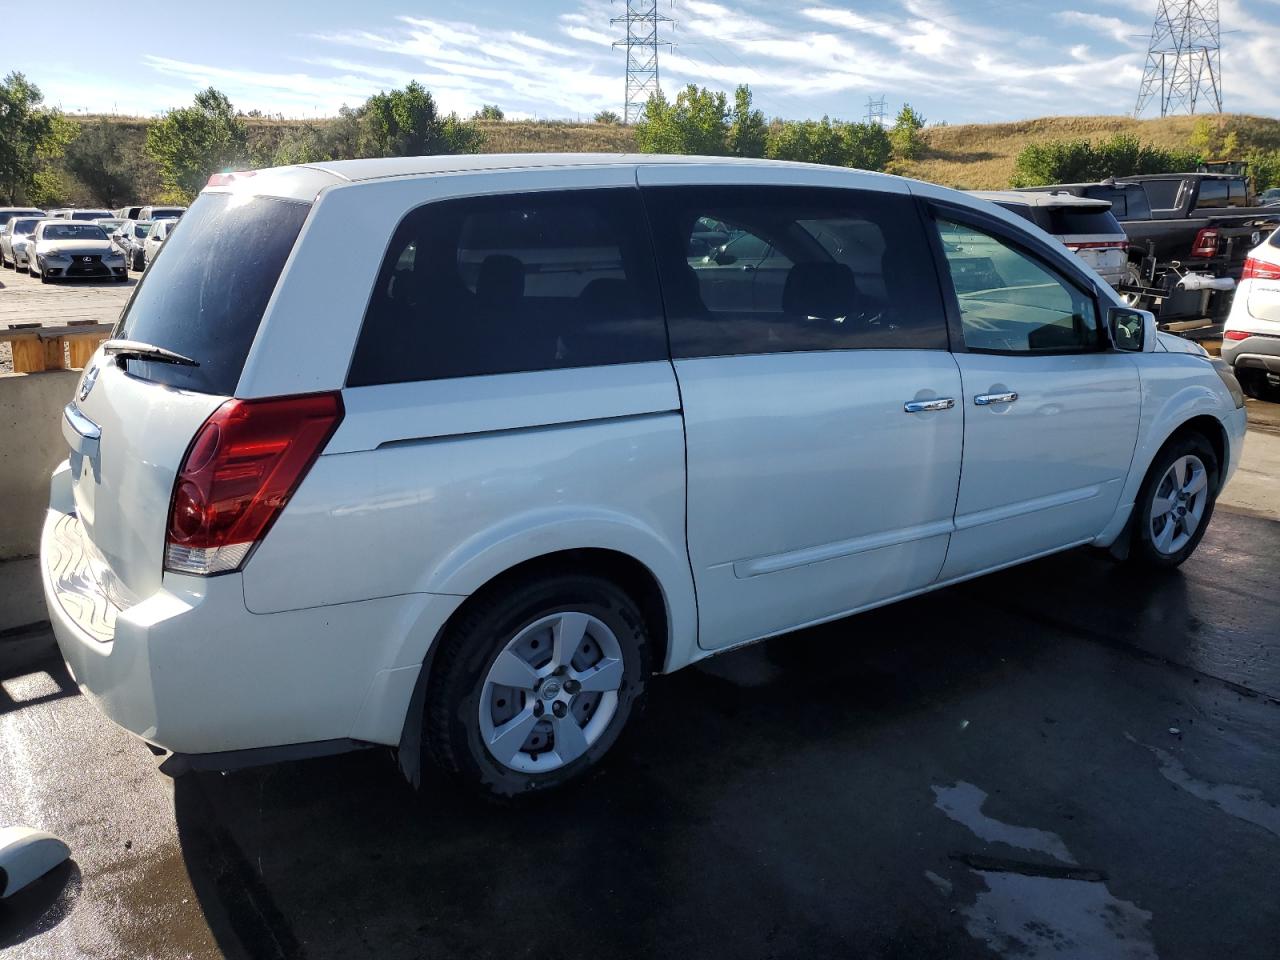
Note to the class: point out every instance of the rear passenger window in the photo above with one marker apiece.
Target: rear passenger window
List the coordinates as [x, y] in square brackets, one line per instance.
[1213, 193]
[1012, 303]
[513, 283]
[795, 269]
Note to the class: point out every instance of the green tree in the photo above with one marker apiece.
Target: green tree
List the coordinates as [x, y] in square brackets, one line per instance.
[490, 111]
[1081, 161]
[698, 123]
[748, 133]
[862, 145]
[867, 146]
[336, 139]
[103, 159]
[191, 143]
[1264, 165]
[607, 116]
[30, 136]
[406, 123]
[1204, 137]
[905, 134]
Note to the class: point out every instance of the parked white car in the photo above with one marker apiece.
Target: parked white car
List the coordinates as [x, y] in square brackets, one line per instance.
[73, 249]
[15, 241]
[1085, 226]
[1251, 335]
[424, 496]
[154, 239]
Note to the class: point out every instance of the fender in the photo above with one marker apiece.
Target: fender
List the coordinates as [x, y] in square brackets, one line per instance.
[1163, 413]
[528, 536]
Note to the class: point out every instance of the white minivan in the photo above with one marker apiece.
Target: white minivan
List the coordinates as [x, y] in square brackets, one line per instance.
[463, 487]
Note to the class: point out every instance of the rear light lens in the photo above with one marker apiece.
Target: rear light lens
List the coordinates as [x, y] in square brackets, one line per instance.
[1260, 270]
[239, 472]
[1235, 335]
[1206, 244]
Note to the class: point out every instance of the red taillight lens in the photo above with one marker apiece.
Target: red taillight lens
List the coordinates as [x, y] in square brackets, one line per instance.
[240, 470]
[1235, 335]
[1260, 270]
[1206, 244]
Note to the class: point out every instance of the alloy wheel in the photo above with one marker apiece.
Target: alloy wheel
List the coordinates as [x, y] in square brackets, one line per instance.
[1179, 504]
[551, 693]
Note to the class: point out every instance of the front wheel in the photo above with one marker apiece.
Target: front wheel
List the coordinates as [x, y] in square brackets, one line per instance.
[1176, 502]
[534, 685]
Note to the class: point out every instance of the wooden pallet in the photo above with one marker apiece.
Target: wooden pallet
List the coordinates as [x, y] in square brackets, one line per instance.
[36, 349]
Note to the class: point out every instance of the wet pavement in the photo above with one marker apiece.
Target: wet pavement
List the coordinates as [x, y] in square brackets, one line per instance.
[1070, 759]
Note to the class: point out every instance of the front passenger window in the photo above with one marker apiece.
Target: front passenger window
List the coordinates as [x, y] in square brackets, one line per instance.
[1010, 302]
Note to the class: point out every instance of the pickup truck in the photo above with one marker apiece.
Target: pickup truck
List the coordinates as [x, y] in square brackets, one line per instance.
[1180, 225]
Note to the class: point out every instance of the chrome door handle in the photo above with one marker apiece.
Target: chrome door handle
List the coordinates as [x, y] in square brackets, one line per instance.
[927, 406]
[986, 399]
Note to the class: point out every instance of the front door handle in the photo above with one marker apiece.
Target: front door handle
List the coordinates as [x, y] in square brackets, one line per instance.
[927, 406]
[986, 399]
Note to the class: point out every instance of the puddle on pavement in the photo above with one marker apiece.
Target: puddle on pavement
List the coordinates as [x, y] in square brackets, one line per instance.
[1243, 803]
[1017, 912]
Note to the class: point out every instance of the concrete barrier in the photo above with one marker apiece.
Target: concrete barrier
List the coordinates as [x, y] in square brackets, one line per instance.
[31, 445]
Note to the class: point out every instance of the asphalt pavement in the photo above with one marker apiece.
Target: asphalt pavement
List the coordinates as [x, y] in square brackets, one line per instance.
[1068, 759]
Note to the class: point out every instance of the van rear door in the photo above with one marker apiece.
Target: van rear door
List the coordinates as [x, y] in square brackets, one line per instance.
[133, 418]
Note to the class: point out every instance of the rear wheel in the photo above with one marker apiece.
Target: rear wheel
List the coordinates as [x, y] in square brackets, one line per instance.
[1255, 384]
[534, 685]
[1176, 502]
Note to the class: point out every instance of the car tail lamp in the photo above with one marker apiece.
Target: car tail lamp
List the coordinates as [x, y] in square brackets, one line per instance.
[1235, 335]
[1260, 270]
[239, 472]
[1206, 244]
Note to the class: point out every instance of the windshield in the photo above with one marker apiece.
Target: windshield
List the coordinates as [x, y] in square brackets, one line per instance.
[205, 294]
[141, 229]
[26, 226]
[88, 214]
[1065, 221]
[72, 231]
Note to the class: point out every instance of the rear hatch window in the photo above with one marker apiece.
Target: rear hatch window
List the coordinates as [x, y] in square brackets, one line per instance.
[205, 293]
[1065, 221]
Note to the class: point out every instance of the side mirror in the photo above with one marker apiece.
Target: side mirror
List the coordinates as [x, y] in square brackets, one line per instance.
[723, 257]
[1131, 330]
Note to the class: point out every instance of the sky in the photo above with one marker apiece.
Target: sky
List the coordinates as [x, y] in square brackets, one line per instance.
[954, 60]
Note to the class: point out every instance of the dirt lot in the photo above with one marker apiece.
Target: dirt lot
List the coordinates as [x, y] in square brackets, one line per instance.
[24, 299]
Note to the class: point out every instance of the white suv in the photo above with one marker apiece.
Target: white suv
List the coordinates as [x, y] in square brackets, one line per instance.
[463, 487]
[1251, 335]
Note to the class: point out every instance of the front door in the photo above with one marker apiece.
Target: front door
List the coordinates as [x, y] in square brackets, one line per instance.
[823, 426]
[1051, 413]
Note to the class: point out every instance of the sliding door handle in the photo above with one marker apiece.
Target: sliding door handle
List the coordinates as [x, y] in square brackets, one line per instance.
[928, 406]
[986, 399]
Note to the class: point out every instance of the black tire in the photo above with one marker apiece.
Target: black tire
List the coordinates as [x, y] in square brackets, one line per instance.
[469, 647]
[43, 278]
[1144, 550]
[1255, 384]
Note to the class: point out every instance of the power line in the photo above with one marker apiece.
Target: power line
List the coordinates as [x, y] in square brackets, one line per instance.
[642, 41]
[1183, 58]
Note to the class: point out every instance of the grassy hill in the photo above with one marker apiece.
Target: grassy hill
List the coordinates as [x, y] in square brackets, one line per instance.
[979, 156]
[969, 156]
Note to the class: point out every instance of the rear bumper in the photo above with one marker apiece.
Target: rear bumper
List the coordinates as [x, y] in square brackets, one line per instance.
[191, 670]
[1253, 353]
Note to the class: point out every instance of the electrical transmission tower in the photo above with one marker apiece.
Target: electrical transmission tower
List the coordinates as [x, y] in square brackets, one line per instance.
[1183, 59]
[875, 111]
[643, 22]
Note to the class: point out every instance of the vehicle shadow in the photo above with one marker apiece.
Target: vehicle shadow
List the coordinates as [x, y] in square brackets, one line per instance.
[41, 906]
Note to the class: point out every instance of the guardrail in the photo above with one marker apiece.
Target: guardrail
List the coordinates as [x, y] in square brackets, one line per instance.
[37, 348]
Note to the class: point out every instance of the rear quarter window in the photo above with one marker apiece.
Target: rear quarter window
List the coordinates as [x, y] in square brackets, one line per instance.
[512, 284]
[1064, 221]
[205, 293]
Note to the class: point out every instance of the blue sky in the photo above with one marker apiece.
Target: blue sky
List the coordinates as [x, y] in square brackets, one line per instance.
[955, 60]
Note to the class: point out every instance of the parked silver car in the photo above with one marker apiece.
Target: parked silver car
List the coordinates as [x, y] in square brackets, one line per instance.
[151, 246]
[64, 249]
[129, 240]
[15, 240]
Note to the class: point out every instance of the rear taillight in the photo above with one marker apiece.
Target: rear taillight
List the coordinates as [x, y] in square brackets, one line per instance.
[1235, 335]
[1260, 270]
[239, 472]
[1206, 244]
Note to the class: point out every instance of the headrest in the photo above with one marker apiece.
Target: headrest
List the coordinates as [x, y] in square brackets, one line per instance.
[501, 279]
[824, 290]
